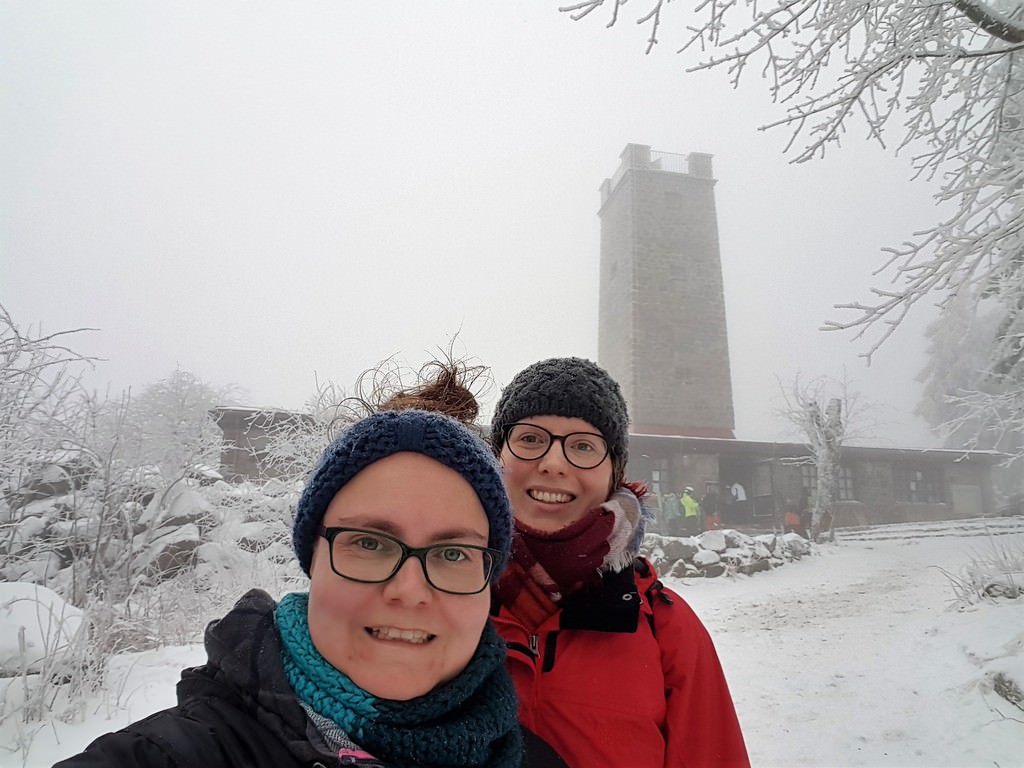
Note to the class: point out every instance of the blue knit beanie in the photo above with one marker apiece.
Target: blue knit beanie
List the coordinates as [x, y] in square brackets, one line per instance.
[378, 436]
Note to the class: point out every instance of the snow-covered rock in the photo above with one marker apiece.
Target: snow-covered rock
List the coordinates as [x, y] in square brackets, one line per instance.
[37, 629]
[706, 557]
[721, 551]
[738, 555]
[166, 553]
[713, 540]
[796, 544]
[736, 539]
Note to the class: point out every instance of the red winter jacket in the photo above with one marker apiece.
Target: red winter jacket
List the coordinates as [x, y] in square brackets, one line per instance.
[611, 680]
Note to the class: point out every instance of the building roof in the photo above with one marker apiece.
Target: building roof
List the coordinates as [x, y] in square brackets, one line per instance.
[732, 447]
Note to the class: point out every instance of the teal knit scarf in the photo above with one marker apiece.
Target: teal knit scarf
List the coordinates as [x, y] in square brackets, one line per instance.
[468, 721]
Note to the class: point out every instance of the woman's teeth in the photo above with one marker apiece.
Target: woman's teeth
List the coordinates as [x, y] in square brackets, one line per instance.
[548, 497]
[405, 635]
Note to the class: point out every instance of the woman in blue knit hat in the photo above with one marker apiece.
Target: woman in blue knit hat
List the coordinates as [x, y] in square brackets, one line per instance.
[611, 667]
[389, 659]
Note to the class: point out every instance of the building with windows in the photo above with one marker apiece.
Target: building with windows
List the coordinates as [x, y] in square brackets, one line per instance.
[667, 345]
[756, 482]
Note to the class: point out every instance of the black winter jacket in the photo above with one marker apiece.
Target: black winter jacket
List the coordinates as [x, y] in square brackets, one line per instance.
[238, 710]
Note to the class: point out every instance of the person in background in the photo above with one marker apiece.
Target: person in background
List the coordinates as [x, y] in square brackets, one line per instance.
[792, 520]
[612, 668]
[673, 516]
[710, 507]
[737, 492]
[389, 658]
[691, 511]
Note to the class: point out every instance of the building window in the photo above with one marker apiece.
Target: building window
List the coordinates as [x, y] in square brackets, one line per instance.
[809, 478]
[652, 471]
[659, 476]
[920, 485]
[655, 482]
[844, 483]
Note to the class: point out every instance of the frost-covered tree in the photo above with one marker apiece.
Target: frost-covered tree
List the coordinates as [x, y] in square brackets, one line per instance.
[294, 446]
[40, 397]
[41, 416]
[944, 78]
[99, 502]
[964, 400]
[959, 347]
[146, 518]
[90, 483]
[826, 414]
[172, 427]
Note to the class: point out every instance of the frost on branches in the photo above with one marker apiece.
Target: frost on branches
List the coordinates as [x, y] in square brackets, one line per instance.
[115, 533]
[946, 78]
[968, 401]
[822, 411]
[39, 390]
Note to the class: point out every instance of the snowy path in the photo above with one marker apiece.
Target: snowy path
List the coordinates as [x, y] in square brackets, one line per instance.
[854, 657]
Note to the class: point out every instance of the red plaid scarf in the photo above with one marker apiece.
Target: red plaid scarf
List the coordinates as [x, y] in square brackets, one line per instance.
[546, 566]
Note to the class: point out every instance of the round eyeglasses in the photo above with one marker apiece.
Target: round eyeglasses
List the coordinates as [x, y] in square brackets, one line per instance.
[584, 450]
[371, 557]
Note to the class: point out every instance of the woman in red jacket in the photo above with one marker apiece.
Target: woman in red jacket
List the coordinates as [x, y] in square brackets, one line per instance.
[611, 667]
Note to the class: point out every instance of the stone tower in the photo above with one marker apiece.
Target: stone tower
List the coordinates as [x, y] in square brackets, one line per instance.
[662, 331]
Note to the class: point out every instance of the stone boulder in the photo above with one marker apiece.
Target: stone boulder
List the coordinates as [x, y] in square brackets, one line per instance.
[714, 540]
[722, 551]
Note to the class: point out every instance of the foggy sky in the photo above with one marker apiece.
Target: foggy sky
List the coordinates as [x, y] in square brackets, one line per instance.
[271, 193]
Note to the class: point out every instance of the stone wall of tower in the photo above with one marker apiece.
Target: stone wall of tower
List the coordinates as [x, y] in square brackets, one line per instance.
[662, 327]
[616, 303]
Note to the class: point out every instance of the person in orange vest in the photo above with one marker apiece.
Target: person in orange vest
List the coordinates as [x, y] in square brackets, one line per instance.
[792, 522]
[709, 507]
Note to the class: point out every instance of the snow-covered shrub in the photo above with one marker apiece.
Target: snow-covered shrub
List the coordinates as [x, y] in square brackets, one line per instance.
[43, 651]
[108, 502]
[997, 572]
[34, 623]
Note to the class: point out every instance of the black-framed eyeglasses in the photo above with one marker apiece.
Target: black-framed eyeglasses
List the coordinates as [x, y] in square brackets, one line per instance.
[585, 450]
[372, 557]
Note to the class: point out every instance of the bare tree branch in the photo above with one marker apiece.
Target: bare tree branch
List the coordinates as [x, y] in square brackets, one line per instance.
[991, 21]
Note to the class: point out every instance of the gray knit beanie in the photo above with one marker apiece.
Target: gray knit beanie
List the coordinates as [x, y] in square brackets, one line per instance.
[572, 387]
[382, 434]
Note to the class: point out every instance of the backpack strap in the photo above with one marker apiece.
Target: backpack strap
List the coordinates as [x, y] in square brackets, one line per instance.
[654, 590]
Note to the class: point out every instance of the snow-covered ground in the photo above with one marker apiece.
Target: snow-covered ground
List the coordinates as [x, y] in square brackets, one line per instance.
[856, 656]
[853, 656]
